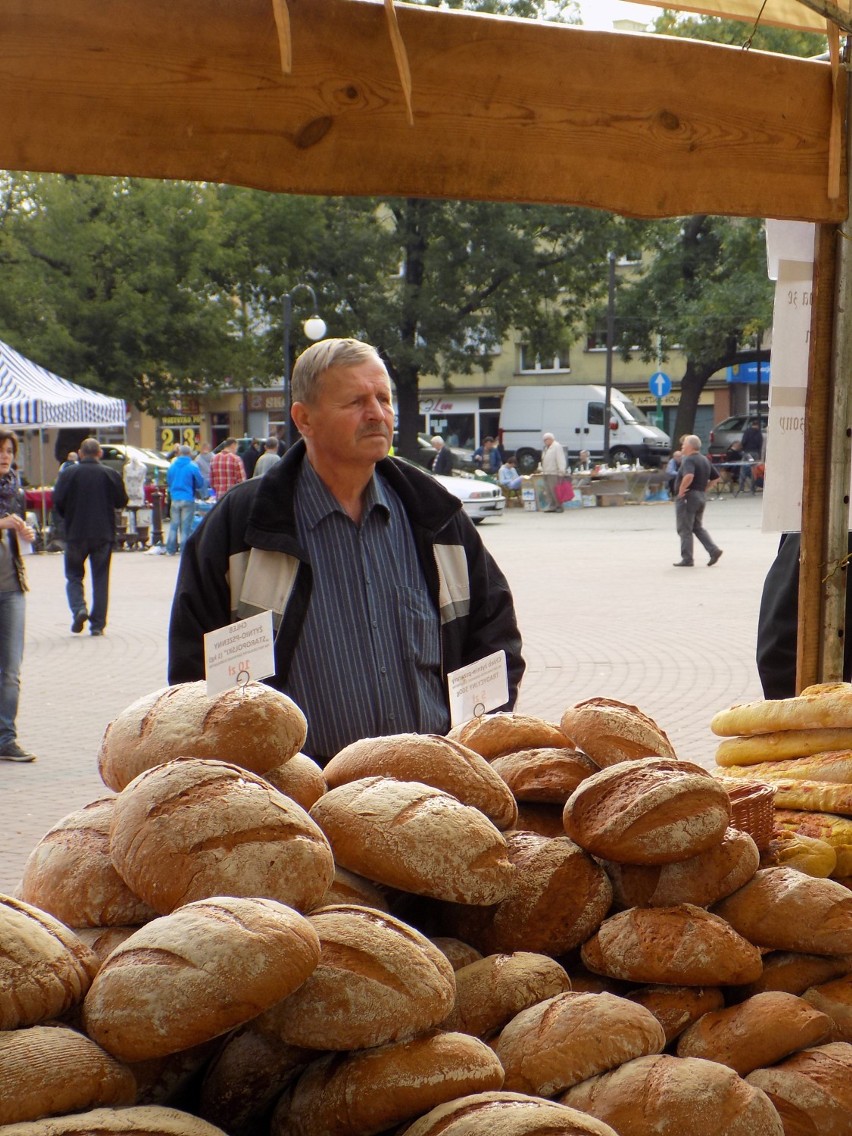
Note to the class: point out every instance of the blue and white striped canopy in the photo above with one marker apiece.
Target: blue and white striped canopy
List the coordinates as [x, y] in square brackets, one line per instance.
[30, 395]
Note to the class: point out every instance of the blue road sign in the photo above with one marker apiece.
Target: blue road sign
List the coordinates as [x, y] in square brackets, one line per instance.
[660, 384]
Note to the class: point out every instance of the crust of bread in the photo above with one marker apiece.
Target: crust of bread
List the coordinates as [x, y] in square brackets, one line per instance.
[812, 1090]
[150, 1120]
[460, 954]
[835, 1000]
[610, 731]
[677, 1007]
[497, 734]
[832, 766]
[834, 830]
[347, 887]
[300, 778]
[546, 820]
[546, 775]
[491, 991]
[780, 746]
[795, 972]
[805, 853]
[506, 1114]
[827, 705]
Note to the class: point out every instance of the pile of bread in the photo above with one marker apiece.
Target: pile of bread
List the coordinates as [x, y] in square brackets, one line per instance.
[520, 929]
[803, 747]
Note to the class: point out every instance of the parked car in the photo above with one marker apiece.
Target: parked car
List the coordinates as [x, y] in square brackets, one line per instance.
[480, 497]
[731, 430]
[117, 457]
[462, 457]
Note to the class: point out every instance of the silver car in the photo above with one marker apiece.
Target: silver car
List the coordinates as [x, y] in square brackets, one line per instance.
[480, 497]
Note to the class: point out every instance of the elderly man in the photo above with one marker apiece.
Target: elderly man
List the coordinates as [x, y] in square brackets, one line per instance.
[443, 461]
[377, 581]
[554, 468]
[693, 476]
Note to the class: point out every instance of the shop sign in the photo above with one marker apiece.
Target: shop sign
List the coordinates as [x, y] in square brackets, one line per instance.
[180, 429]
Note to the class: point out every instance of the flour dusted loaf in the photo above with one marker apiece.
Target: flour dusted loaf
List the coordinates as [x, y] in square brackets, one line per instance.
[547, 775]
[781, 745]
[253, 726]
[649, 811]
[411, 836]
[826, 705]
[506, 1114]
[378, 980]
[496, 734]
[795, 973]
[370, 1091]
[69, 873]
[675, 946]
[458, 953]
[492, 990]
[432, 760]
[300, 778]
[138, 1121]
[103, 940]
[835, 1000]
[45, 969]
[571, 1037]
[610, 731]
[784, 910]
[677, 1007]
[812, 1090]
[347, 887]
[671, 1096]
[197, 973]
[196, 828]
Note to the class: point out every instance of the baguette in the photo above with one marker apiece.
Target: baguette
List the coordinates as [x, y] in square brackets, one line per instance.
[805, 853]
[826, 705]
[813, 796]
[834, 766]
[781, 745]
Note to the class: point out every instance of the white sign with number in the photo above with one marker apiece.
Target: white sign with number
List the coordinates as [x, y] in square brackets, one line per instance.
[478, 688]
[240, 653]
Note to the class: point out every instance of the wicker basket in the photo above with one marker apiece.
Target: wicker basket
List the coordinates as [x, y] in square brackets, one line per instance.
[752, 808]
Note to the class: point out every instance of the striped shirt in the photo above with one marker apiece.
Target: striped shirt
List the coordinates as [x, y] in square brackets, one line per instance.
[226, 471]
[368, 661]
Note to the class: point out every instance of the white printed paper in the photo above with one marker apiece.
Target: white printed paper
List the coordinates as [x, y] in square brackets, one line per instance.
[239, 653]
[478, 688]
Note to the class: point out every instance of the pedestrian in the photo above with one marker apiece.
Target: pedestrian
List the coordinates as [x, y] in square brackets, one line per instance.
[487, 457]
[268, 458]
[250, 456]
[70, 459]
[202, 460]
[753, 440]
[226, 469]
[185, 483]
[378, 582]
[13, 585]
[690, 498]
[672, 470]
[554, 468]
[87, 496]
[443, 462]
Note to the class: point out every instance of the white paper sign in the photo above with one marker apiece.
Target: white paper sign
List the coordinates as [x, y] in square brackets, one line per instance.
[478, 688]
[239, 653]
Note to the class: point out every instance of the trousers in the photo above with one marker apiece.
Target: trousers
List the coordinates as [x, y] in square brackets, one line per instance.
[12, 609]
[99, 556]
[689, 516]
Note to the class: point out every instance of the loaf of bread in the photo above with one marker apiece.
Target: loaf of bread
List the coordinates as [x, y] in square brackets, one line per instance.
[677, 1007]
[827, 705]
[45, 969]
[835, 1000]
[813, 796]
[673, 946]
[103, 940]
[834, 767]
[795, 972]
[378, 981]
[547, 775]
[458, 953]
[140, 1121]
[51, 1070]
[610, 731]
[804, 853]
[253, 726]
[372, 1090]
[69, 873]
[411, 836]
[834, 830]
[673, 1096]
[197, 973]
[506, 1114]
[495, 734]
[700, 880]
[783, 910]
[300, 778]
[760, 1031]
[781, 745]
[347, 887]
[491, 991]
[654, 810]
[812, 1090]
[571, 1037]
[191, 829]
[559, 895]
[432, 760]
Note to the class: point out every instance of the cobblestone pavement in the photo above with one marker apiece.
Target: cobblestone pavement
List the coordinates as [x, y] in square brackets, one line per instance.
[601, 608]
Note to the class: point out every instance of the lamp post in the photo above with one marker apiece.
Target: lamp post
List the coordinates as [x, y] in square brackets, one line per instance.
[314, 328]
[610, 346]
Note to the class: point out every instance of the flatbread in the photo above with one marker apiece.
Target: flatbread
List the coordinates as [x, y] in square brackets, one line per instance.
[835, 766]
[828, 705]
[781, 745]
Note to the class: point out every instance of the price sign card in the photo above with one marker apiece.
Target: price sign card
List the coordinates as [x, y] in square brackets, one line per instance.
[478, 688]
[239, 653]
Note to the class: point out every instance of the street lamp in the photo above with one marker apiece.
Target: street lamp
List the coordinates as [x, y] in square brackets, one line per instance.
[314, 328]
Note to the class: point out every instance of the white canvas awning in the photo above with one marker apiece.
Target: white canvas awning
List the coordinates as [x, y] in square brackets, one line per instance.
[783, 13]
[32, 396]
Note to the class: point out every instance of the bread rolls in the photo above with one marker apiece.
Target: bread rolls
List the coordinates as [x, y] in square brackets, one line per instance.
[812, 1090]
[496, 734]
[492, 990]
[506, 1114]
[610, 731]
[546, 775]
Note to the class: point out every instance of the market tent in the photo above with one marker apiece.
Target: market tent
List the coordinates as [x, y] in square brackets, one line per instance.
[31, 396]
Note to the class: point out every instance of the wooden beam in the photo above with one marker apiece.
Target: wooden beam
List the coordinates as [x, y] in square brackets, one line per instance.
[504, 109]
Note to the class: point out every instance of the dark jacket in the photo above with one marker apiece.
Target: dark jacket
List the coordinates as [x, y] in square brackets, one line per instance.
[86, 496]
[443, 462]
[227, 572]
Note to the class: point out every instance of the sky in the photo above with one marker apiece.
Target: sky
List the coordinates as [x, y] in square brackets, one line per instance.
[600, 14]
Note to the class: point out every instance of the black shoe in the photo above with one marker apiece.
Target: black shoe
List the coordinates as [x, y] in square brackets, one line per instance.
[80, 617]
[683, 564]
[13, 752]
[96, 631]
[714, 558]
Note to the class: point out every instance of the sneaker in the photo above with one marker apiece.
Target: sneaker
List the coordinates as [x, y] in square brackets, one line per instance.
[80, 617]
[13, 752]
[682, 564]
[714, 558]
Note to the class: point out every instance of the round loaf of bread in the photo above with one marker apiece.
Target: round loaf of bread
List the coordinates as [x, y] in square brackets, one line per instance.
[547, 775]
[197, 828]
[674, 946]
[571, 1037]
[51, 1070]
[411, 836]
[459, 954]
[835, 1000]
[795, 973]
[378, 981]
[45, 969]
[757, 1032]
[496, 734]
[432, 760]
[347, 887]
[701, 880]
[610, 731]
[150, 1120]
[372, 1090]
[671, 1096]
[506, 1114]
[197, 973]
[300, 778]
[812, 1090]
[253, 726]
[103, 940]
[491, 991]
[69, 873]
[677, 1007]
[558, 898]
[785, 910]
[649, 811]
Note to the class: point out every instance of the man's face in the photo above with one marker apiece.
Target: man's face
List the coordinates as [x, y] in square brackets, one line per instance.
[547, 440]
[351, 421]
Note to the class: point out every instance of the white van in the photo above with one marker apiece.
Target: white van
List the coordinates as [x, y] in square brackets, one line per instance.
[575, 417]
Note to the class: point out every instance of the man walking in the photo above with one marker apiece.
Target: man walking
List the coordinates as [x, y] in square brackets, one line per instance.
[226, 469]
[268, 458]
[185, 483]
[554, 468]
[86, 496]
[690, 484]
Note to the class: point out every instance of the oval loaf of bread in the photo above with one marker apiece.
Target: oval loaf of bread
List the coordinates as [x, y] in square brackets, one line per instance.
[676, 1007]
[492, 990]
[148, 1120]
[812, 1090]
[496, 734]
[546, 775]
[300, 778]
[610, 731]
[506, 1114]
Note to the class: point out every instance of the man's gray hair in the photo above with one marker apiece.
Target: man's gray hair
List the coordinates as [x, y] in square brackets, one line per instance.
[694, 441]
[185, 451]
[91, 447]
[321, 357]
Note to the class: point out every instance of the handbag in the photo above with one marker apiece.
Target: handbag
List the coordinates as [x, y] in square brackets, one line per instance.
[564, 490]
